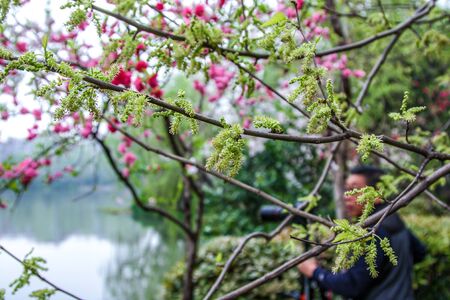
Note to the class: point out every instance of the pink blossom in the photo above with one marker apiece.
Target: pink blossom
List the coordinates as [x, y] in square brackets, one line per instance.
[290, 13]
[122, 148]
[214, 98]
[37, 113]
[4, 115]
[200, 87]
[157, 92]
[128, 142]
[359, 73]
[153, 80]
[58, 174]
[140, 47]
[226, 29]
[9, 175]
[147, 133]
[24, 111]
[111, 128]
[123, 77]
[247, 123]
[21, 47]
[68, 169]
[221, 3]
[85, 132]
[199, 10]
[126, 172]
[24, 164]
[129, 158]
[83, 25]
[160, 6]
[346, 72]
[300, 4]
[141, 66]
[138, 85]
[28, 175]
[186, 12]
[76, 116]
[45, 161]
[31, 134]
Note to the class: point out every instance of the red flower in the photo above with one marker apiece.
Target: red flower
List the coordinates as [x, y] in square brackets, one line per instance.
[21, 47]
[300, 4]
[139, 86]
[160, 6]
[141, 66]
[123, 77]
[157, 92]
[153, 80]
[199, 10]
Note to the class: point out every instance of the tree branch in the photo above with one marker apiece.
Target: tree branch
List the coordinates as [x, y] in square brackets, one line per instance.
[374, 71]
[136, 198]
[404, 200]
[37, 274]
[233, 181]
[267, 236]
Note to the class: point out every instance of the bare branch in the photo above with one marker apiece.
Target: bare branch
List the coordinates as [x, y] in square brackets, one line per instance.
[233, 181]
[267, 236]
[403, 201]
[37, 274]
[374, 71]
[136, 198]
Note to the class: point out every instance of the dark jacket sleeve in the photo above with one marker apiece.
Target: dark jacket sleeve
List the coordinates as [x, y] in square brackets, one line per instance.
[354, 282]
[418, 249]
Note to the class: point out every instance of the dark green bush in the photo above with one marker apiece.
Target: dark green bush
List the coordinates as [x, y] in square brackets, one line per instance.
[257, 258]
[432, 276]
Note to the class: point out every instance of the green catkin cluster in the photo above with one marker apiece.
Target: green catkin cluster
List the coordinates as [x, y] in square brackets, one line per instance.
[135, 105]
[269, 123]
[5, 6]
[368, 143]
[407, 115]
[228, 146]
[322, 110]
[43, 294]
[200, 33]
[347, 254]
[31, 266]
[80, 13]
[366, 196]
[177, 118]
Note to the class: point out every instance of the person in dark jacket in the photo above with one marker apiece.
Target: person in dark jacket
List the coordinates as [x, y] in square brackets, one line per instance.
[393, 282]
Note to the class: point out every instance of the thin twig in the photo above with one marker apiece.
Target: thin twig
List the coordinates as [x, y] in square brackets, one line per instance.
[267, 236]
[408, 197]
[374, 71]
[38, 275]
[136, 198]
[233, 181]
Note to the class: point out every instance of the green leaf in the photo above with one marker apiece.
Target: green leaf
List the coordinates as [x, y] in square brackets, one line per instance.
[276, 18]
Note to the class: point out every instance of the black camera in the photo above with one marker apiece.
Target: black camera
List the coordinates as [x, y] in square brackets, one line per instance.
[273, 213]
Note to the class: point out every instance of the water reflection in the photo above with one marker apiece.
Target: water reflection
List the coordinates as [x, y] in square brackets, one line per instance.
[93, 254]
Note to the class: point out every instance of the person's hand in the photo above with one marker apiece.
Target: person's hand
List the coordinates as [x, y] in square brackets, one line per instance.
[308, 267]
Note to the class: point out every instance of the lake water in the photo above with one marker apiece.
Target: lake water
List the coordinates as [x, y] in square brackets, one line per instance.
[95, 247]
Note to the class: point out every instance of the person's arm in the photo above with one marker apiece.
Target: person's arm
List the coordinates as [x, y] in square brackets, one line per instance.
[418, 249]
[354, 282]
[351, 283]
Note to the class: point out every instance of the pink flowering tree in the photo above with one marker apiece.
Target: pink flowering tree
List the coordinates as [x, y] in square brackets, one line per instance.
[293, 71]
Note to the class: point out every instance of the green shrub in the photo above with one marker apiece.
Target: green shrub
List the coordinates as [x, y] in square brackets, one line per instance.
[256, 259]
[432, 276]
